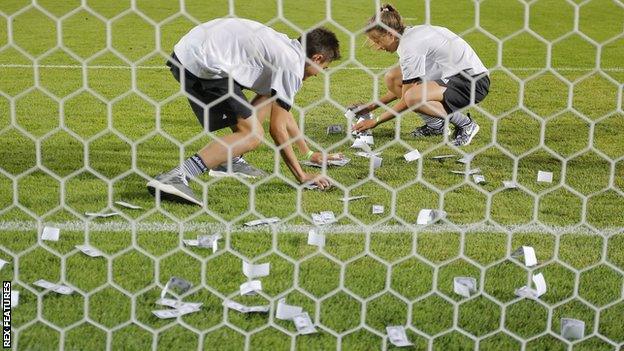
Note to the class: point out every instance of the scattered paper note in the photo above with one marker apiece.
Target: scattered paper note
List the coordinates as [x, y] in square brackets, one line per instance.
[412, 156]
[478, 178]
[352, 198]
[335, 129]
[350, 114]
[339, 163]
[245, 309]
[177, 304]
[167, 314]
[361, 144]
[572, 329]
[50, 234]
[544, 177]
[190, 242]
[378, 209]
[89, 250]
[14, 298]
[323, 218]
[464, 286]
[251, 287]
[428, 216]
[468, 172]
[176, 286]
[285, 311]
[256, 270]
[528, 292]
[304, 324]
[101, 215]
[128, 205]
[2, 263]
[367, 138]
[466, 159]
[441, 158]
[262, 221]
[398, 336]
[509, 184]
[367, 154]
[209, 241]
[57, 288]
[315, 238]
[376, 161]
[528, 252]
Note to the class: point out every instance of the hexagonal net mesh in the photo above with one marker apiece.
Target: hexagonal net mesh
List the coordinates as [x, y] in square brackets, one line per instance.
[90, 113]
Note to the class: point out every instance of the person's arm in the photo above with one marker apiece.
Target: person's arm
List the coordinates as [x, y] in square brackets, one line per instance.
[384, 100]
[386, 116]
[295, 134]
[279, 124]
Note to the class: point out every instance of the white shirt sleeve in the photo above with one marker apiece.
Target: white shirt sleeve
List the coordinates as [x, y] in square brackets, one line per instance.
[412, 65]
[285, 84]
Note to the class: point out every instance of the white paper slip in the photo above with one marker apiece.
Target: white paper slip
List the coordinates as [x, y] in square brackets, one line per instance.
[398, 336]
[429, 216]
[466, 159]
[572, 329]
[368, 139]
[441, 158]
[339, 163]
[468, 172]
[89, 250]
[190, 242]
[262, 221]
[245, 309]
[376, 160]
[128, 205]
[209, 241]
[177, 304]
[50, 234]
[311, 186]
[315, 238]
[367, 154]
[334, 129]
[285, 311]
[528, 292]
[57, 288]
[412, 156]
[176, 286]
[478, 178]
[256, 270]
[251, 287]
[464, 286]
[167, 314]
[509, 184]
[304, 324]
[361, 144]
[544, 177]
[101, 215]
[349, 114]
[353, 198]
[378, 209]
[14, 298]
[2, 263]
[528, 252]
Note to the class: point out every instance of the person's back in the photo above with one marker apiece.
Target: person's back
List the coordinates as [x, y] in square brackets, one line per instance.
[254, 55]
[446, 53]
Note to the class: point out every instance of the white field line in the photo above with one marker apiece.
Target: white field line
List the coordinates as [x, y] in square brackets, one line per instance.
[118, 226]
[113, 67]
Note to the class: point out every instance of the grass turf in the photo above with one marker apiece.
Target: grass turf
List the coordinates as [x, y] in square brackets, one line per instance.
[361, 282]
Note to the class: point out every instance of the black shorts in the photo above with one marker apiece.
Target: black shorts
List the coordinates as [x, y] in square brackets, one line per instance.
[459, 90]
[224, 113]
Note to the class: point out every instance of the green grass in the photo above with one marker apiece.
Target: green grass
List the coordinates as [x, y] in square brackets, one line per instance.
[361, 281]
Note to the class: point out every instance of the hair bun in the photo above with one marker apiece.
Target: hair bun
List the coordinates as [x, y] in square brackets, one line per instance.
[387, 7]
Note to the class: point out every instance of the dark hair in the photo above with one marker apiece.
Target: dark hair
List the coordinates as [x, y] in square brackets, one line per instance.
[321, 41]
[390, 18]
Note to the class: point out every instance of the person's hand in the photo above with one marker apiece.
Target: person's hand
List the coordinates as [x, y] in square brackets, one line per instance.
[317, 157]
[364, 125]
[360, 109]
[320, 181]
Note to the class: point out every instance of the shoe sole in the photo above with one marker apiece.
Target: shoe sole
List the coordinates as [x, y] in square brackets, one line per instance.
[429, 136]
[170, 193]
[472, 135]
[220, 174]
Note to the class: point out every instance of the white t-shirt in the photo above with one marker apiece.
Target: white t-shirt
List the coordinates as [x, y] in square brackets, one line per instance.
[254, 55]
[431, 53]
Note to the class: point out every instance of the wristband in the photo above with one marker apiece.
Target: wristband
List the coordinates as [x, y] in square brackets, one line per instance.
[309, 155]
[377, 119]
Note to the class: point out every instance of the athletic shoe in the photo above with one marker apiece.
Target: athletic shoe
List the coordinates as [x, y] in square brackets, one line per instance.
[173, 186]
[426, 131]
[464, 135]
[240, 168]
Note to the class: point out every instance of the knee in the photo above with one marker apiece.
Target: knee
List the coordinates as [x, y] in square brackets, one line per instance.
[412, 97]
